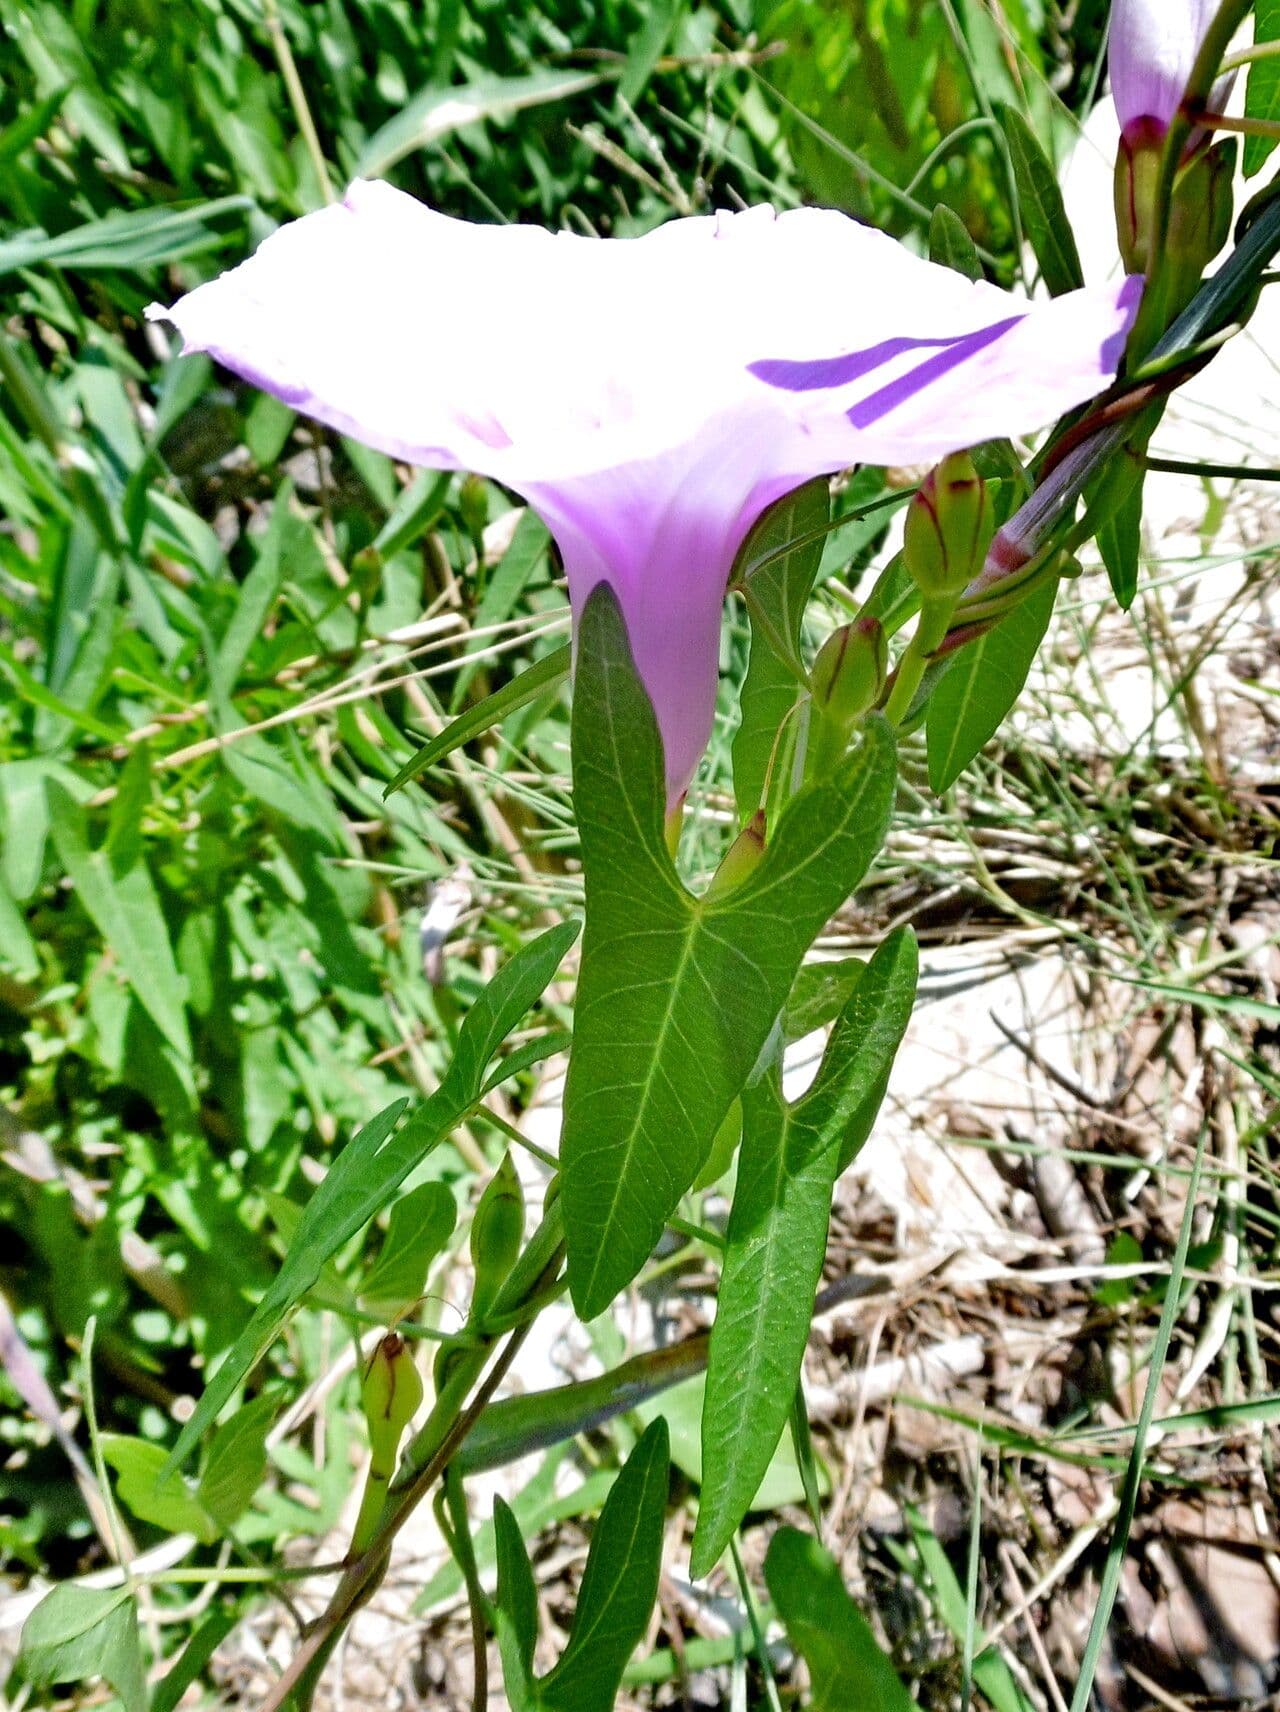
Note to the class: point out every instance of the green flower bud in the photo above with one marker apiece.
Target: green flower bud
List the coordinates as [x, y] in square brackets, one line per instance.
[473, 504]
[950, 523]
[1136, 177]
[497, 1231]
[850, 670]
[390, 1396]
[742, 857]
[1200, 217]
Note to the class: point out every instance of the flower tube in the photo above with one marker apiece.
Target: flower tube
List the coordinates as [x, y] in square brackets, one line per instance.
[1152, 52]
[649, 397]
[1153, 49]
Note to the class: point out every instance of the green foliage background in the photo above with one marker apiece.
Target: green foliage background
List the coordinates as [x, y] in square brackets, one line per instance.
[211, 615]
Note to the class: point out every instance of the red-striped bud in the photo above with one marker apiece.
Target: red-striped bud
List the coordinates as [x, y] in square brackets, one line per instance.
[850, 670]
[949, 526]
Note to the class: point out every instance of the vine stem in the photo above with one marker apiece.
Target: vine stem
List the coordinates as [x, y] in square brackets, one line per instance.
[1241, 127]
[363, 1574]
[297, 96]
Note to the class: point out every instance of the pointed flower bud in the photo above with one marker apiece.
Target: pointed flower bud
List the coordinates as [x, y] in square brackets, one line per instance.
[949, 526]
[390, 1397]
[473, 506]
[850, 670]
[1136, 177]
[742, 857]
[1200, 215]
[497, 1230]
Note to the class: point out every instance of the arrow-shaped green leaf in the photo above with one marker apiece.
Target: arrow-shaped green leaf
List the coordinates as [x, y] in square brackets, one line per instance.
[677, 994]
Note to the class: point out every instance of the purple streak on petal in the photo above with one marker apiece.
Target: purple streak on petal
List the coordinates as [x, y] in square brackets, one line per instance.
[878, 404]
[824, 373]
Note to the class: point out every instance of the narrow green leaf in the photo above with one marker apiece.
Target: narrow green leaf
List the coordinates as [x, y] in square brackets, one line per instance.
[777, 1237]
[375, 1162]
[819, 994]
[507, 582]
[194, 1657]
[723, 1149]
[1044, 214]
[123, 844]
[523, 1058]
[154, 1496]
[267, 426]
[990, 1671]
[337, 1210]
[677, 994]
[681, 1408]
[778, 589]
[421, 1224]
[134, 238]
[78, 1633]
[494, 1013]
[534, 681]
[806, 1461]
[18, 137]
[619, 1584]
[17, 948]
[1120, 543]
[646, 47]
[258, 595]
[950, 244]
[412, 514]
[1230, 1004]
[847, 1667]
[435, 112]
[517, 1606]
[123, 906]
[237, 1461]
[516, 1426]
[1262, 92]
[982, 684]
[536, 1505]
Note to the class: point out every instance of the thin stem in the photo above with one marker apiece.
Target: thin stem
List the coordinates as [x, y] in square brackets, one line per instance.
[513, 1134]
[119, 1543]
[297, 97]
[696, 1233]
[1132, 1482]
[427, 1456]
[1246, 56]
[363, 1575]
[935, 616]
[1232, 472]
[1241, 127]
[757, 1632]
[239, 1573]
[455, 1502]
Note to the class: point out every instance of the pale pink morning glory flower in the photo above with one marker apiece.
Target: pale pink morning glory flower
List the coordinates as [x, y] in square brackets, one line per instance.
[649, 397]
[1153, 48]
